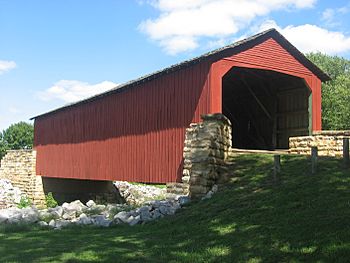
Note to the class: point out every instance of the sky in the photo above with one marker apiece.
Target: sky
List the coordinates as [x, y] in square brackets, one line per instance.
[56, 52]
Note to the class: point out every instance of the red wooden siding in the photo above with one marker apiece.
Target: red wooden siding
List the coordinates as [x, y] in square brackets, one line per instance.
[136, 135]
[268, 55]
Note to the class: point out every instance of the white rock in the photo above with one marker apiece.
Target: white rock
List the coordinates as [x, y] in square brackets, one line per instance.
[52, 223]
[90, 203]
[56, 212]
[13, 214]
[9, 194]
[30, 215]
[76, 205]
[208, 195]
[42, 223]
[84, 220]
[62, 223]
[69, 214]
[122, 216]
[134, 220]
[4, 215]
[137, 194]
[101, 220]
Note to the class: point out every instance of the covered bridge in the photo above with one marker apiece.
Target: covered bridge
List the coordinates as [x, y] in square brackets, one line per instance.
[135, 132]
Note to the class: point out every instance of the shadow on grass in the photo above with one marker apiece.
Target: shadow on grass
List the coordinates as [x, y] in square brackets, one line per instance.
[302, 217]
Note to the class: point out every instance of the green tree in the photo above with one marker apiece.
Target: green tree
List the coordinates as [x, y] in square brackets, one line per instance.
[17, 136]
[336, 92]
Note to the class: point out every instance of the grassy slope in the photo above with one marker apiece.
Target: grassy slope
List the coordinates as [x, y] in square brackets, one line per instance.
[303, 217]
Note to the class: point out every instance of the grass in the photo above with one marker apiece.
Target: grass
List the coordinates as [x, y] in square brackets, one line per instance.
[300, 218]
[161, 186]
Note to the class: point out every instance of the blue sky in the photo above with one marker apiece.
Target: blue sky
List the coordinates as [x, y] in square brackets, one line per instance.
[59, 51]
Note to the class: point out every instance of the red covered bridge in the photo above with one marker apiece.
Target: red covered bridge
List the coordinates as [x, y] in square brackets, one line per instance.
[135, 132]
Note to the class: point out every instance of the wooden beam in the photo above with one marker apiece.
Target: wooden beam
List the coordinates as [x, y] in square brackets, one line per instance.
[276, 165]
[346, 151]
[278, 152]
[257, 99]
[314, 155]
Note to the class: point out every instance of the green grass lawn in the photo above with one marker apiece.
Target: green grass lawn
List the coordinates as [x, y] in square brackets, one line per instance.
[300, 218]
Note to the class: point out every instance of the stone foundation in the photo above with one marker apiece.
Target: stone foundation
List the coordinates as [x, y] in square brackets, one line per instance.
[18, 166]
[207, 146]
[329, 143]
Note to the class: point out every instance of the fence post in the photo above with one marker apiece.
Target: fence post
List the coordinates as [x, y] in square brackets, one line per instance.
[346, 151]
[314, 155]
[276, 165]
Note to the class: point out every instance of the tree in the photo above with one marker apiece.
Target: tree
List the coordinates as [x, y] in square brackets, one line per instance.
[336, 92]
[17, 136]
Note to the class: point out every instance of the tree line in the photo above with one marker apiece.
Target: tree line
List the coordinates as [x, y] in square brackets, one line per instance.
[335, 104]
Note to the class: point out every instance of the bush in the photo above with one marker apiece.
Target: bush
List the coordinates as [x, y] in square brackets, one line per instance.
[50, 200]
[24, 202]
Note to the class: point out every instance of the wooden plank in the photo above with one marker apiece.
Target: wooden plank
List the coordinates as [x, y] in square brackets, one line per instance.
[280, 152]
[276, 165]
[314, 156]
[346, 151]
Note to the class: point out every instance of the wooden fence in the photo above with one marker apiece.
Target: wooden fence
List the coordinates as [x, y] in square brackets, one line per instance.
[314, 156]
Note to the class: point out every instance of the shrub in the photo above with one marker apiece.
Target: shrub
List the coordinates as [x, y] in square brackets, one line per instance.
[50, 200]
[24, 202]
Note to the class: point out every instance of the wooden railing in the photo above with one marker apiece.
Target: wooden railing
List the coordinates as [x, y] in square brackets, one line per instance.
[277, 156]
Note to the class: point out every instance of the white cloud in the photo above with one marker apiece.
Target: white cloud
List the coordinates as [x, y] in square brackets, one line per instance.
[182, 23]
[333, 16]
[6, 66]
[73, 90]
[308, 38]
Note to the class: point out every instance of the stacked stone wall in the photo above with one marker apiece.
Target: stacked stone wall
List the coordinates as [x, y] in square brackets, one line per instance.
[329, 143]
[18, 166]
[207, 146]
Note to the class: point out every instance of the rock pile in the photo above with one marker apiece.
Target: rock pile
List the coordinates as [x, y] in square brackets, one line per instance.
[76, 213]
[9, 194]
[137, 194]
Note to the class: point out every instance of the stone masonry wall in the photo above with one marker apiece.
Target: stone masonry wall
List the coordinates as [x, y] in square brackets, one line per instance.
[18, 166]
[329, 143]
[207, 145]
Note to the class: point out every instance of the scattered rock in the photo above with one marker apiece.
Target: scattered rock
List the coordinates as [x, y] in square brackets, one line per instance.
[43, 223]
[84, 220]
[62, 223]
[90, 203]
[30, 215]
[137, 194]
[100, 215]
[52, 223]
[122, 216]
[10, 196]
[56, 212]
[210, 194]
